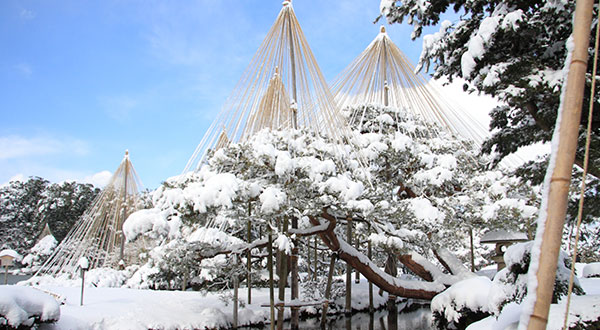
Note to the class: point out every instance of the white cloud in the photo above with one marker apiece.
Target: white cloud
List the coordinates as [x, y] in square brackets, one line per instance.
[24, 69]
[99, 179]
[26, 14]
[14, 146]
[120, 107]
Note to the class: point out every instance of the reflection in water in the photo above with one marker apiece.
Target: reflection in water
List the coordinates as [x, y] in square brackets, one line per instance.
[416, 319]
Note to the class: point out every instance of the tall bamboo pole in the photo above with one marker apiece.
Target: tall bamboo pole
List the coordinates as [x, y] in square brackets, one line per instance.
[561, 175]
[348, 309]
[294, 278]
[249, 255]
[270, 267]
[122, 249]
[283, 273]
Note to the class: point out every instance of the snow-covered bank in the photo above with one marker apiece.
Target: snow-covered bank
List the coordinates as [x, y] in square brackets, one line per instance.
[122, 308]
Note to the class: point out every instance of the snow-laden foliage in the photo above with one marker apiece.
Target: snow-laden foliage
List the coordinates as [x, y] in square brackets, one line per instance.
[38, 254]
[510, 284]
[474, 299]
[514, 50]
[420, 188]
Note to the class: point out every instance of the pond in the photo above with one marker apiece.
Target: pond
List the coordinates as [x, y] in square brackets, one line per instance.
[414, 317]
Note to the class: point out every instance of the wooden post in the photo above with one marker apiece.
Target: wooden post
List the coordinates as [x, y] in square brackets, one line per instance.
[370, 255]
[249, 256]
[283, 272]
[316, 259]
[82, 286]
[356, 272]
[294, 275]
[328, 290]
[561, 175]
[235, 292]
[472, 249]
[270, 267]
[348, 308]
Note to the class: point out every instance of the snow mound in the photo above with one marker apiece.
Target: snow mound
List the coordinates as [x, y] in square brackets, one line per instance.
[24, 306]
[471, 294]
[591, 270]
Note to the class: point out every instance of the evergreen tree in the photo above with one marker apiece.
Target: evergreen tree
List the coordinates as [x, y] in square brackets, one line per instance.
[26, 207]
[515, 51]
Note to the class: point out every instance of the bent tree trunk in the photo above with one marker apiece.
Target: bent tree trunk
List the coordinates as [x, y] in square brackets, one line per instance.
[435, 280]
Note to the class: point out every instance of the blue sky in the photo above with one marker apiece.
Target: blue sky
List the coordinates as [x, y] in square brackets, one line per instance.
[81, 81]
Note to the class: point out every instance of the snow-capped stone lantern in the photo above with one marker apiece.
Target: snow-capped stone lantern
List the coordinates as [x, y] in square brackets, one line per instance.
[7, 259]
[503, 239]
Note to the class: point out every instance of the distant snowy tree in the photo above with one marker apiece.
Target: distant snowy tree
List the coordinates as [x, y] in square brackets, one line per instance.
[20, 203]
[26, 207]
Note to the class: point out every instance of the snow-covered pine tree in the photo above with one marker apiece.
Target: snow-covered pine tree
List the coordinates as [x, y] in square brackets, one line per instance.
[418, 179]
[513, 50]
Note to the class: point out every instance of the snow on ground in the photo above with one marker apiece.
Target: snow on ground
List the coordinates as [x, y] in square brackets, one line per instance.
[131, 309]
[583, 308]
[23, 305]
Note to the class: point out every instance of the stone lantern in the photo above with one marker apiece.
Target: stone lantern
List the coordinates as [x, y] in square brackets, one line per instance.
[503, 239]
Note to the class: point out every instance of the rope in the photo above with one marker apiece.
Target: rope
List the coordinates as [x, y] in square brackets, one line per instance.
[584, 175]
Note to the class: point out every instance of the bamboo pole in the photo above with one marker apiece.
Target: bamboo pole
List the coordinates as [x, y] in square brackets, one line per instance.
[348, 309]
[316, 259]
[561, 175]
[328, 290]
[472, 249]
[283, 272]
[294, 275]
[249, 255]
[270, 267]
[370, 255]
[122, 249]
[235, 293]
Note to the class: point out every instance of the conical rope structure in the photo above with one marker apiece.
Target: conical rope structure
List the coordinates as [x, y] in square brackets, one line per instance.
[383, 75]
[282, 87]
[98, 235]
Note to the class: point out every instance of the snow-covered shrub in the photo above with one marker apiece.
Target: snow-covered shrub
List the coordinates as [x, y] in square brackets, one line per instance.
[39, 253]
[510, 284]
[24, 307]
[462, 304]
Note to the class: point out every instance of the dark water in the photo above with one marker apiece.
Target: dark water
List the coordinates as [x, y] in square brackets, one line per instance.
[412, 318]
[13, 279]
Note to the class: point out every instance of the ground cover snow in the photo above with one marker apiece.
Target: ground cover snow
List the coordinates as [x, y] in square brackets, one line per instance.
[123, 308]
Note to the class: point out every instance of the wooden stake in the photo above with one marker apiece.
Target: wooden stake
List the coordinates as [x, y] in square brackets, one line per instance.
[370, 255]
[561, 175]
[283, 272]
[294, 274]
[328, 290]
[348, 309]
[235, 293]
[472, 249]
[271, 284]
[316, 260]
[82, 286]
[249, 256]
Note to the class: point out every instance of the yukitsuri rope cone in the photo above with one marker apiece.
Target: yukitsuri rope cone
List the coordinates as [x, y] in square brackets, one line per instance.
[98, 235]
[282, 87]
[382, 75]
